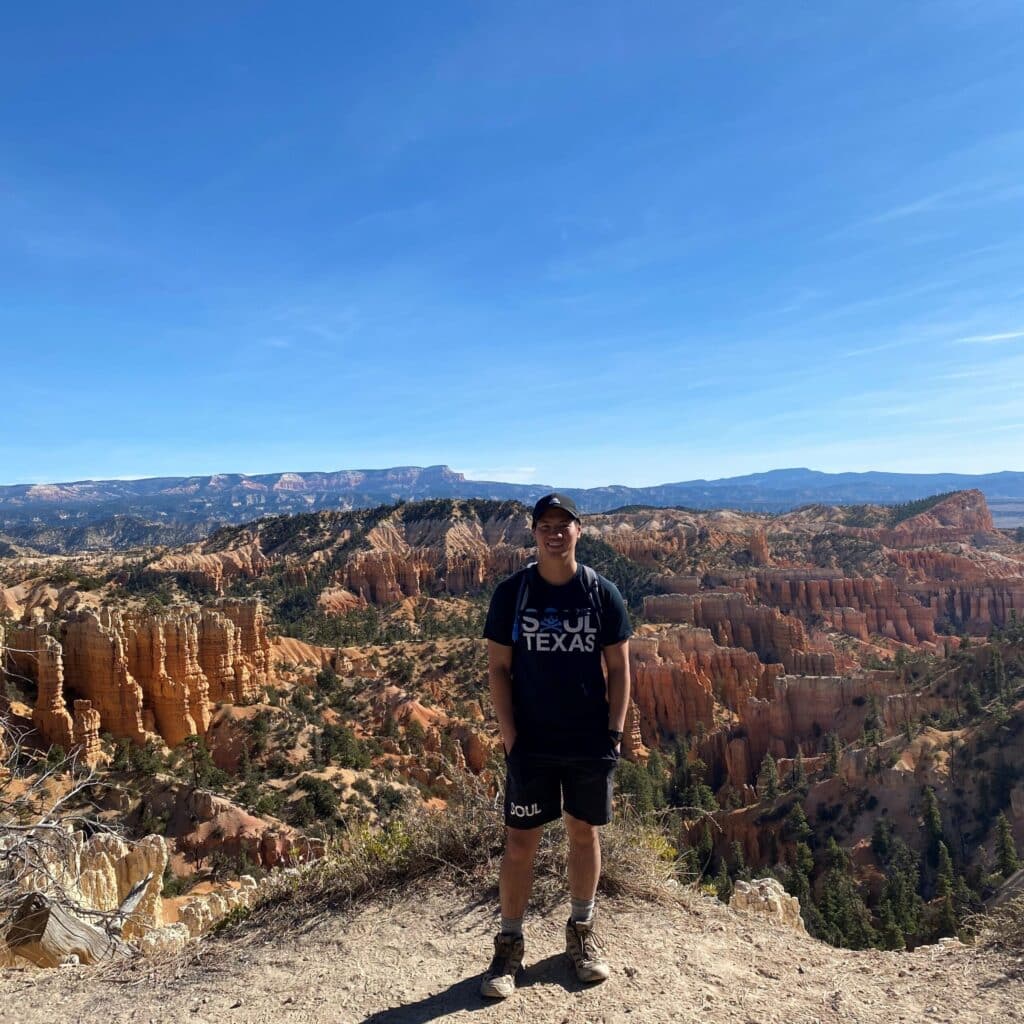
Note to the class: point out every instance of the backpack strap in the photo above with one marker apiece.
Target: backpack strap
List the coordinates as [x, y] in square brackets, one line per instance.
[591, 584]
[522, 596]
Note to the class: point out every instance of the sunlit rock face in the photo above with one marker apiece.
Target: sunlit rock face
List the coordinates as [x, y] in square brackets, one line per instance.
[137, 674]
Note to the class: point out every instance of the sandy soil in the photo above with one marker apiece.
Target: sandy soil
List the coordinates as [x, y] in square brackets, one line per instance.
[420, 960]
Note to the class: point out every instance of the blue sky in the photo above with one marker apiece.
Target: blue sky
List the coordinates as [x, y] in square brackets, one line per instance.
[576, 243]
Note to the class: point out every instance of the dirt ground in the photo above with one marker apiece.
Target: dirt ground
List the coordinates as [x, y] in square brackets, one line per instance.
[419, 959]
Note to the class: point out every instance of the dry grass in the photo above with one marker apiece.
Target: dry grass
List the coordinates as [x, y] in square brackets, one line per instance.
[1000, 929]
[463, 845]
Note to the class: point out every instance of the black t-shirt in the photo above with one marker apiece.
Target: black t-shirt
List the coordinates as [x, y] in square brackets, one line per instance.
[559, 694]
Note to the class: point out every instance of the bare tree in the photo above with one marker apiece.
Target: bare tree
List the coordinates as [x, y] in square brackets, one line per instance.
[44, 802]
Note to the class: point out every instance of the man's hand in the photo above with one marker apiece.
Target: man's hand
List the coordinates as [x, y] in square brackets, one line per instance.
[616, 659]
[499, 678]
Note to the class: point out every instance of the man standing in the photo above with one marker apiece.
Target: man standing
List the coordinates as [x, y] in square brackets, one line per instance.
[549, 627]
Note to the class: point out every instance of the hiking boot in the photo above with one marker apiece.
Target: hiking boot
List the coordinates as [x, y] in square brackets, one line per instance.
[584, 950]
[500, 980]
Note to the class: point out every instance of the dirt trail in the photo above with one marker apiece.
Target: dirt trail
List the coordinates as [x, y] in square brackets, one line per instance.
[420, 960]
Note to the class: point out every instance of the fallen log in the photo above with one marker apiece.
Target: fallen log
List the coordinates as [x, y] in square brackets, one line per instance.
[44, 933]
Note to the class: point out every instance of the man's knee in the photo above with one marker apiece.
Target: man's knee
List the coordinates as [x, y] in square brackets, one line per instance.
[580, 833]
[521, 844]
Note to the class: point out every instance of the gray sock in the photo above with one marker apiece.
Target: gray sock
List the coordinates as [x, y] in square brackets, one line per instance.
[511, 926]
[582, 910]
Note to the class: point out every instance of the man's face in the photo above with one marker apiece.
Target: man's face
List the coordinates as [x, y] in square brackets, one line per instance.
[556, 534]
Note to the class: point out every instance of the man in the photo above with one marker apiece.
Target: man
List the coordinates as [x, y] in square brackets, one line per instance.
[548, 629]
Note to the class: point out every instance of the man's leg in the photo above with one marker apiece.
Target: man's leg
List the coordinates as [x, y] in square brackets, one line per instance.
[584, 859]
[516, 879]
[532, 797]
[587, 789]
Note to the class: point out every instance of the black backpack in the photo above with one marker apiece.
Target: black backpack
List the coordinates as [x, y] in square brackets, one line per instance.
[591, 583]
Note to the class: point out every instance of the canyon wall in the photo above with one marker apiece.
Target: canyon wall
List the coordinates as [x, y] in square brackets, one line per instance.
[735, 622]
[681, 676]
[385, 577]
[138, 674]
[212, 570]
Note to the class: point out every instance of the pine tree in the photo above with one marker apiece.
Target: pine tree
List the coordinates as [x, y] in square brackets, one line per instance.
[832, 760]
[902, 884]
[998, 673]
[946, 923]
[872, 734]
[768, 779]
[634, 781]
[835, 908]
[739, 862]
[798, 878]
[798, 884]
[680, 781]
[944, 873]
[1006, 850]
[798, 778]
[656, 770]
[881, 840]
[932, 820]
[705, 848]
[965, 899]
[845, 917]
[890, 936]
[723, 884]
[972, 701]
[689, 862]
[796, 826]
[698, 793]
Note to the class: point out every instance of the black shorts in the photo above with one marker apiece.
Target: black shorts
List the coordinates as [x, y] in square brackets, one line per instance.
[537, 786]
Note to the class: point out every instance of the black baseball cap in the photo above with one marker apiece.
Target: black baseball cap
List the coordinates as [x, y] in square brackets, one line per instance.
[555, 500]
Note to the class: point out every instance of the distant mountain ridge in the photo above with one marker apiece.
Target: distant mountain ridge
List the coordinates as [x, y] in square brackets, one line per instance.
[191, 506]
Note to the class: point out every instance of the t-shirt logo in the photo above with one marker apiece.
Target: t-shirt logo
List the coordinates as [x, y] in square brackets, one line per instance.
[556, 629]
[551, 620]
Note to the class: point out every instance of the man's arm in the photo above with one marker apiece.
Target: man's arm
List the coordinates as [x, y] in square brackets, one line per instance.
[499, 677]
[616, 659]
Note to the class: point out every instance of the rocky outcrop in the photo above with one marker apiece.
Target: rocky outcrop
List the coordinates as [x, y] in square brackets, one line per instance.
[249, 651]
[963, 516]
[759, 552]
[203, 825]
[735, 622]
[97, 872]
[109, 867]
[142, 674]
[386, 576]
[87, 733]
[34, 654]
[766, 898]
[212, 570]
[930, 564]
[450, 738]
[859, 606]
[976, 608]
[50, 715]
[802, 710]
[199, 912]
[681, 677]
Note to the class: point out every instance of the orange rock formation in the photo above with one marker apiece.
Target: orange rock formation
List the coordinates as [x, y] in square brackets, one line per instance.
[141, 674]
[211, 570]
[734, 622]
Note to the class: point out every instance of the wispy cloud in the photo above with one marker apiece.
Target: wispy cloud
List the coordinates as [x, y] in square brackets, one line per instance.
[968, 195]
[990, 339]
[922, 205]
